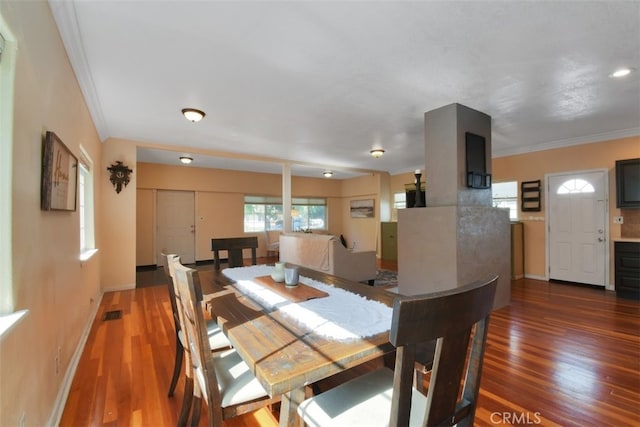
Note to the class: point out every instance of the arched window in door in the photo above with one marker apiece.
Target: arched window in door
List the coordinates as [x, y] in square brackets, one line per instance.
[574, 186]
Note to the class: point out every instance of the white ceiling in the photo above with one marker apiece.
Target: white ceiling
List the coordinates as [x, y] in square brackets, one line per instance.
[321, 83]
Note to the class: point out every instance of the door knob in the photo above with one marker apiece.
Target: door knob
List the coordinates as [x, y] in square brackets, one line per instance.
[600, 239]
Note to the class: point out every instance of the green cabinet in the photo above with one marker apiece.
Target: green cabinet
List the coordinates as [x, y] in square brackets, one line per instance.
[389, 241]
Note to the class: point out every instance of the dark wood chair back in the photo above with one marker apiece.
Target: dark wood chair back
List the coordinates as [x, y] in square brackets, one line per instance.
[172, 292]
[457, 321]
[190, 300]
[234, 247]
[169, 261]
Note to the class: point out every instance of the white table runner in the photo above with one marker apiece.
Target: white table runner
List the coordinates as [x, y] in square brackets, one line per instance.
[340, 316]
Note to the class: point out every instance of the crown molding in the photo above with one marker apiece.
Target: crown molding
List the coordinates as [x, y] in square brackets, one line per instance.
[64, 13]
[599, 137]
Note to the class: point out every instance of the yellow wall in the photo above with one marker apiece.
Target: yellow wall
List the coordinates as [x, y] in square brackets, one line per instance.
[220, 204]
[363, 233]
[118, 222]
[145, 230]
[534, 166]
[60, 292]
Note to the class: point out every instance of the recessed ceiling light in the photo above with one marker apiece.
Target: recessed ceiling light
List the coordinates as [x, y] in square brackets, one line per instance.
[377, 152]
[327, 174]
[186, 160]
[192, 114]
[621, 72]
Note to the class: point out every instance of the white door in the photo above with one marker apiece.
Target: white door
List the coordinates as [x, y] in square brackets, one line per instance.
[175, 216]
[577, 214]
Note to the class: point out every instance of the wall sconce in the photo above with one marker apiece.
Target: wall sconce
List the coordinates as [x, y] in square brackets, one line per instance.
[377, 152]
[186, 160]
[119, 175]
[192, 114]
[327, 174]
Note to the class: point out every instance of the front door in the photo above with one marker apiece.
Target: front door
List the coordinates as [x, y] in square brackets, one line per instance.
[176, 225]
[577, 214]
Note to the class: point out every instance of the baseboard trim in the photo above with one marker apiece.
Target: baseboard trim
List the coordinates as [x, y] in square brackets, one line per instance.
[119, 288]
[65, 387]
[533, 276]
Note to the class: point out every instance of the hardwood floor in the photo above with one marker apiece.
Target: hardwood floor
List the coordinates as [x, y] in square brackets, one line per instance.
[558, 355]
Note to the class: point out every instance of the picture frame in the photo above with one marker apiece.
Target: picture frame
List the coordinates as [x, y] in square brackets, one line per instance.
[362, 208]
[59, 175]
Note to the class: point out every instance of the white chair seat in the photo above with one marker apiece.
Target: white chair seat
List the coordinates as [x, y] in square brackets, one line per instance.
[364, 401]
[236, 382]
[217, 339]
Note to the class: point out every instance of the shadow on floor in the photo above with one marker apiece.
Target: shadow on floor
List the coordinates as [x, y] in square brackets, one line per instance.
[154, 276]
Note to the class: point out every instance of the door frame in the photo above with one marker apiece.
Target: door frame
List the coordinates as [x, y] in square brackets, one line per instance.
[607, 258]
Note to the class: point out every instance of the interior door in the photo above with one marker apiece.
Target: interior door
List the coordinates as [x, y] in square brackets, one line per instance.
[577, 213]
[175, 217]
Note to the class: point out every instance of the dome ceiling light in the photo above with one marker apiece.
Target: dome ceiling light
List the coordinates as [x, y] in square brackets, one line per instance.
[192, 114]
[377, 152]
[186, 160]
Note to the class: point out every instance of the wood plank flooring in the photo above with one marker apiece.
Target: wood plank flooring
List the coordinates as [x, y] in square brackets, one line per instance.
[558, 355]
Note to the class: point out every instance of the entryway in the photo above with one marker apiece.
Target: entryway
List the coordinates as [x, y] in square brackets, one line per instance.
[577, 212]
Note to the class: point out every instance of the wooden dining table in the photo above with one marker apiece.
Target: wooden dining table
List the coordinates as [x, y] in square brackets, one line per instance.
[283, 355]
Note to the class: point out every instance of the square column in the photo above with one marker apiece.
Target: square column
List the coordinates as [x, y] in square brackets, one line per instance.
[459, 237]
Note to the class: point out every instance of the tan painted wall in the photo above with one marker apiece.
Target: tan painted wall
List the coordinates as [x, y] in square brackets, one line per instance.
[220, 202]
[363, 232]
[59, 291]
[48, 278]
[145, 226]
[533, 166]
[118, 222]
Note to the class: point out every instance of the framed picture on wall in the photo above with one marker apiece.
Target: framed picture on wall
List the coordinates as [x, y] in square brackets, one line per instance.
[362, 208]
[59, 175]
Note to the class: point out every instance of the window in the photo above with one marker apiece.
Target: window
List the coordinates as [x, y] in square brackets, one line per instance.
[505, 195]
[399, 200]
[8, 317]
[7, 72]
[575, 186]
[265, 213]
[85, 206]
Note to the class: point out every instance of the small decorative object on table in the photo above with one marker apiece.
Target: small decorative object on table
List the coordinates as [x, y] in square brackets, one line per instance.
[278, 272]
[291, 276]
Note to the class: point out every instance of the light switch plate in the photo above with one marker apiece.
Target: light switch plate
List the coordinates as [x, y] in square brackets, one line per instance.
[618, 220]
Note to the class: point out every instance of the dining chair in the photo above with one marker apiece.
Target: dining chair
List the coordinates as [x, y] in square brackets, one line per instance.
[222, 379]
[457, 320]
[217, 339]
[234, 247]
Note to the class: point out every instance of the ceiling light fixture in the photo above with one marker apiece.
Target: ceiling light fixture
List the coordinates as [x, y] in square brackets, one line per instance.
[377, 152]
[192, 114]
[621, 72]
[327, 174]
[186, 160]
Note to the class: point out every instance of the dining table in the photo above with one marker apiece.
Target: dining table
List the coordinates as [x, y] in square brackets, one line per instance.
[284, 353]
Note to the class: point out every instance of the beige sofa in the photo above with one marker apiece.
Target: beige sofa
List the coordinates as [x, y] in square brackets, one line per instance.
[325, 253]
